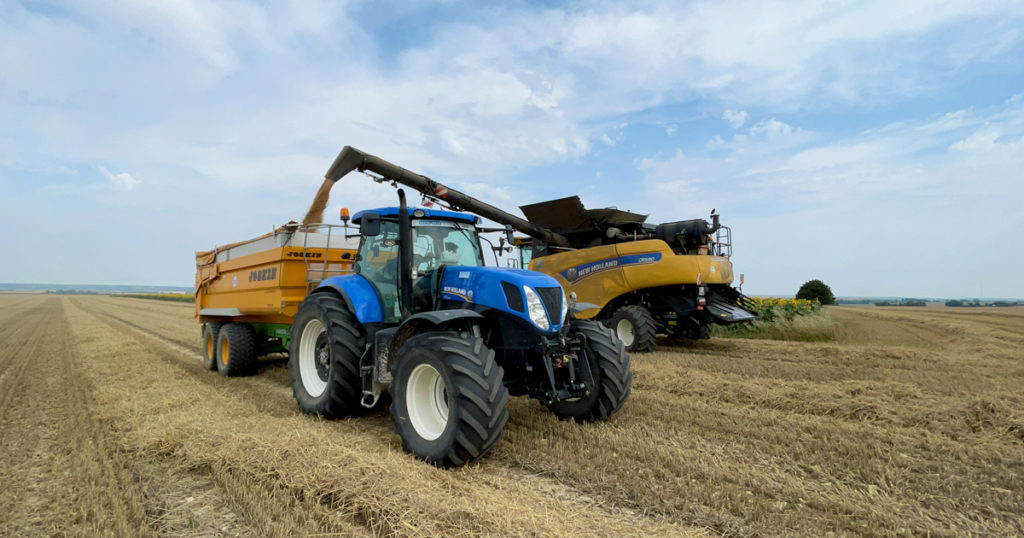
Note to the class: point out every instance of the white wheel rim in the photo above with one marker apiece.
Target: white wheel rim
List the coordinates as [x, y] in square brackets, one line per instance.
[308, 358]
[624, 330]
[427, 402]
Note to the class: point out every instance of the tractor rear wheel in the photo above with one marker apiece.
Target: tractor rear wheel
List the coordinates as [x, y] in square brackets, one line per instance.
[210, 332]
[323, 357]
[613, 377]
[236, 349]
[634, 326]
[448, 399]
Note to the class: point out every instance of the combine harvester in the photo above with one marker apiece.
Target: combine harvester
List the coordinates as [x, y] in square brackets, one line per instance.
[411, 311]
[638, 278]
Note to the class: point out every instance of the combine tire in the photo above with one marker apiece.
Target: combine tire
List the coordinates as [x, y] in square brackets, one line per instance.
[612, 376]
[210, 332]
[448, 400]
[323, 358]
[634, 325]
[236, 349]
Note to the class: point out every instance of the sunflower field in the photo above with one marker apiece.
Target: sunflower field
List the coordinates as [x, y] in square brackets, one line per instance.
[771, 308]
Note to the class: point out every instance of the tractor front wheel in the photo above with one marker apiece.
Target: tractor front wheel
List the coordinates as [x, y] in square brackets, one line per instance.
[323, 358]
[613, 378]
[448, 399]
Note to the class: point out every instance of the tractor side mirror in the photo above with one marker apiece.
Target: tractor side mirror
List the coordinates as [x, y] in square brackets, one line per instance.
[508, 234]
[369, 225]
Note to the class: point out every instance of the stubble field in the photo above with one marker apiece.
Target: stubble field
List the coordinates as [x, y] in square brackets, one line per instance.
[911, 423]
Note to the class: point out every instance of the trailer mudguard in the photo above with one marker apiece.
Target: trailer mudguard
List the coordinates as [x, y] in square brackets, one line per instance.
[358, 294]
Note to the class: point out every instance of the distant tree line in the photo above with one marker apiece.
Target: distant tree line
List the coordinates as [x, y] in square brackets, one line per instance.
[978, 302]
[902, 302]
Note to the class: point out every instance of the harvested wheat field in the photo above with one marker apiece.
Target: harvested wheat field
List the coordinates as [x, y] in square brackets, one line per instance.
[911, 422]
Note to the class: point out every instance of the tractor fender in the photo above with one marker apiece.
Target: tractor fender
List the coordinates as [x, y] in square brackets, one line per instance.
[438, 317]
[359, 296]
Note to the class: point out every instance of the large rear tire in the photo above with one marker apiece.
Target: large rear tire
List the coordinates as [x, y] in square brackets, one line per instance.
[323, 357]
[634, 326]
[210, 332]
[448, 399]
[236, 350]
[613, 378]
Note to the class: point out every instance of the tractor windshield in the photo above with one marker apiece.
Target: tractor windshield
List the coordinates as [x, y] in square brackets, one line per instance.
[444, 242]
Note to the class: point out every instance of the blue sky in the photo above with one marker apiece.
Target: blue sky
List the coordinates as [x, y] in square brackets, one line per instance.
[878, 146]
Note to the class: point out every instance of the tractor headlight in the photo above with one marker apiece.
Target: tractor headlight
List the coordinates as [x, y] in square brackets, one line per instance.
[535, 309]
[565, 308]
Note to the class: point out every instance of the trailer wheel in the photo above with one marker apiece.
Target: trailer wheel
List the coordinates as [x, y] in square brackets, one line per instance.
[210, 332]
[236, 349]
[323, 357]
[448, 398]
[634, 325]
[613, 378]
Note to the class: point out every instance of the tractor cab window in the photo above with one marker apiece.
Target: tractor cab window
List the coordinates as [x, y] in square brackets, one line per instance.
[378, 262]
[444, 242]
[436, 243]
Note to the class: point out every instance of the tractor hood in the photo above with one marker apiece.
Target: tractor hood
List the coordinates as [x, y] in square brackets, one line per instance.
[508, 290]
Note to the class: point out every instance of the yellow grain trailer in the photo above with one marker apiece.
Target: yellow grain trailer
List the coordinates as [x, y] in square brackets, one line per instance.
[247, 292]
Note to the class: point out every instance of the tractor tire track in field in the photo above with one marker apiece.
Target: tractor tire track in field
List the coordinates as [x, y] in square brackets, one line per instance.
[230, 501]
[61, 473]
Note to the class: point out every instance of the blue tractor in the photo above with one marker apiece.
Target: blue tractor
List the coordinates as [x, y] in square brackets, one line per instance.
[423, 320]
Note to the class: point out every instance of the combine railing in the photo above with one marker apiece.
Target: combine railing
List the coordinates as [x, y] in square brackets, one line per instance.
[723, 242]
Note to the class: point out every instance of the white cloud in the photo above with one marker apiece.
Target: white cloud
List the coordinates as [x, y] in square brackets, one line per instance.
[983, 139]
[771, 128]
[607, 140]
[736, 118]
[123, 182]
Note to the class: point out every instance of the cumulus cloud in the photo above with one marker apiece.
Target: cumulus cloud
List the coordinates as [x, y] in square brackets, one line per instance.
[736, 118]
[123, 182]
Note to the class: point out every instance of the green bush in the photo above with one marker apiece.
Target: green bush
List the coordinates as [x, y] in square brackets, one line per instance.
[816, 289]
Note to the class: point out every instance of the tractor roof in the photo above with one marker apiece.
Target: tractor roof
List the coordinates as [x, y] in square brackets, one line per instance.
[426, 213]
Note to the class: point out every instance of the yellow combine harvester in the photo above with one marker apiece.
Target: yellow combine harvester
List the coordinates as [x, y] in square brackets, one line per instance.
[248, 292]
[641, 279]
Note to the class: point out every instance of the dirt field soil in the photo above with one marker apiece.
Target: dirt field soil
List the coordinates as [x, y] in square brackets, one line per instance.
[913, 423]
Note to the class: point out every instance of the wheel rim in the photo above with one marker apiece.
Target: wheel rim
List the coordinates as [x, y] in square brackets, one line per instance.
[314, 358]
[426, 397]
[224, 351]
[209, 346]
[624, 330]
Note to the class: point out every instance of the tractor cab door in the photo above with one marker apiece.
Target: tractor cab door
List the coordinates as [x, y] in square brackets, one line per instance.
[437, 244]
[378, 262]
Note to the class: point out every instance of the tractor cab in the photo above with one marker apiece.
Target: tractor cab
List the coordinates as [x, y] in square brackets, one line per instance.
[439, 239]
